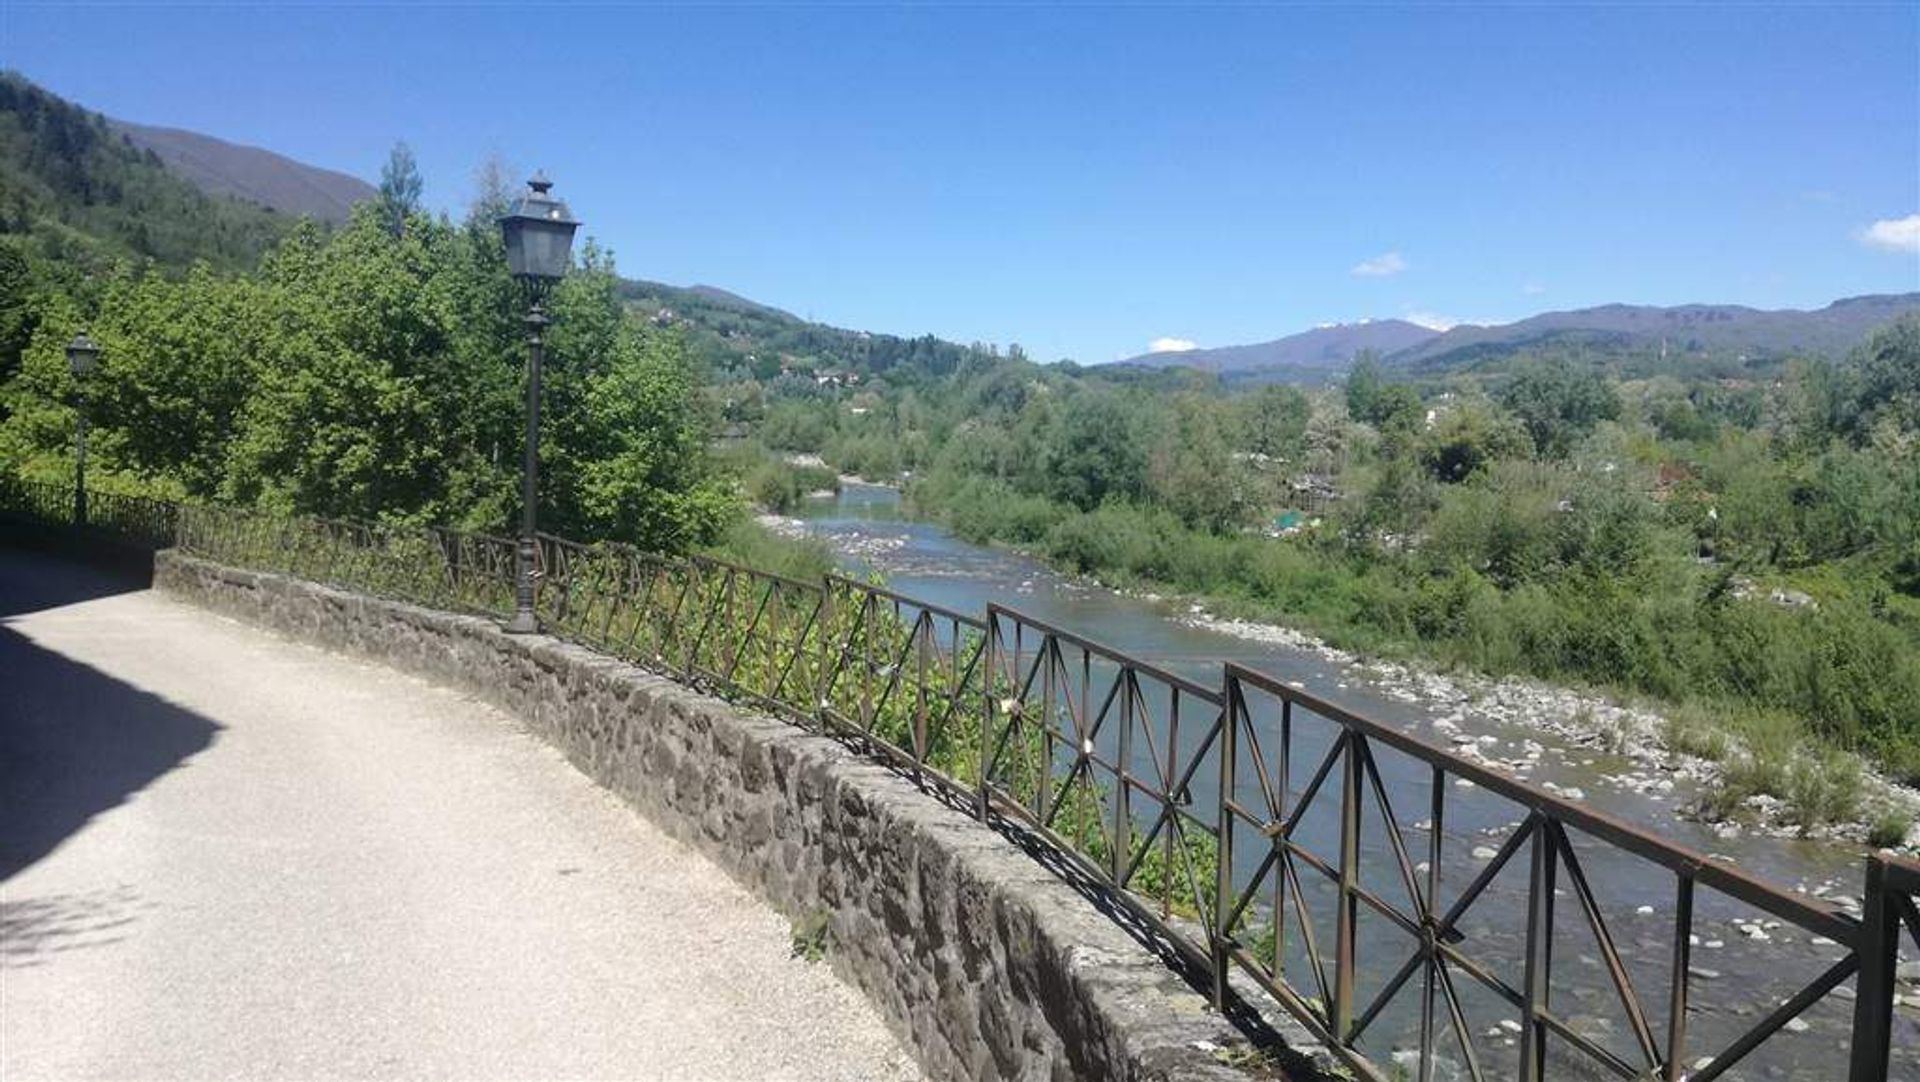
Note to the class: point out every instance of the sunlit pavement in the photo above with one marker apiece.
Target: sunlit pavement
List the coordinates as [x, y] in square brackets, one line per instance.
[226, 855]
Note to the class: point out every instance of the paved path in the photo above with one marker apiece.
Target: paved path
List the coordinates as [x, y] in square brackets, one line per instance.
[225, 855]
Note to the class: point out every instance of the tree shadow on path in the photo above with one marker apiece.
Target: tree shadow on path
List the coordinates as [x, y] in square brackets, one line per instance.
[74, 742]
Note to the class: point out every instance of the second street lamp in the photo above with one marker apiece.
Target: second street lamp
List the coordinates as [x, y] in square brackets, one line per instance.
[538, 232]
[81, 356]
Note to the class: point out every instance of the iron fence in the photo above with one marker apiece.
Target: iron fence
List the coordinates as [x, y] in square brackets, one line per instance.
[1256, 828]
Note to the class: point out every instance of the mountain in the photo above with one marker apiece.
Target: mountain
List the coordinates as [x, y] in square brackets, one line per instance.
[1323, 350]
[1706, 332]
[729, 332]
[1726, 339]
[77, 191]
[258, 176]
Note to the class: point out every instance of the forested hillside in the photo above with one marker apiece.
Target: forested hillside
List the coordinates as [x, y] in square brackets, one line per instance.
[728, 333]
[75, 192]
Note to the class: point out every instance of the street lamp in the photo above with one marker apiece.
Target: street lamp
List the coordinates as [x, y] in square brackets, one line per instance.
[81, 356]
[539, 236]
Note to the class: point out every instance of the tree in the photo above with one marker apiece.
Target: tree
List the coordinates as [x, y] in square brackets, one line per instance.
[493, 191]
[1558, 404]
[1370, 398]
[1274, 421]
[1467, 439]
[1888, 367]
[399, 188]
[1095, 453]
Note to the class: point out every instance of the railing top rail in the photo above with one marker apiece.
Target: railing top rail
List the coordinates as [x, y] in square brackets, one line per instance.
[754, 572]
[1827, 920]
[475, 535]
[1902, 873]
[834, 578]
[1119, 657]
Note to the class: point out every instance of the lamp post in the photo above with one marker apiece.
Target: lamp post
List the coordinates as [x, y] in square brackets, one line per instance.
[81, 355]
[539, 235]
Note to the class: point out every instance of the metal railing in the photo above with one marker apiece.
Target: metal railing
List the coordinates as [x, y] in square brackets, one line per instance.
[1248, 825]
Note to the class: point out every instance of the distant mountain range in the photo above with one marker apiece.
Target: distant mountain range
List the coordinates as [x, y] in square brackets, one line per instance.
[258, 176]
[1323, 349]
[1715, 334]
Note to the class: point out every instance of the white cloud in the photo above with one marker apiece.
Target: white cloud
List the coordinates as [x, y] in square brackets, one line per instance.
[1433, 321]
[1893, 234]
[1533, 289]
[1172, 345]
[1380, 266]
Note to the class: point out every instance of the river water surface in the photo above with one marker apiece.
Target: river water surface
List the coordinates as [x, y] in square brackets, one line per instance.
[1742, 962]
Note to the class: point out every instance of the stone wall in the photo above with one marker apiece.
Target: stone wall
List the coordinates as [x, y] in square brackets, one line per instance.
[982, 961]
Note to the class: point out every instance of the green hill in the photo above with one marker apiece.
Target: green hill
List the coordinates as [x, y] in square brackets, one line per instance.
[729, 332]
[74, 191]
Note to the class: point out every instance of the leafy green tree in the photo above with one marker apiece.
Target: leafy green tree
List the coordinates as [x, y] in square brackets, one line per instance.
[1468, 438]
[1888, 374]
[1274, 421]
[1558, 403]
[1095, 453]
[1390, 407]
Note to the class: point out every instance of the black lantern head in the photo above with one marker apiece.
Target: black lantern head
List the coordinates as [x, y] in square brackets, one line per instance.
[81, 354]
[539, 235]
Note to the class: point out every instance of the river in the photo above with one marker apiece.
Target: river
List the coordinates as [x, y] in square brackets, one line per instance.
[1742, 962]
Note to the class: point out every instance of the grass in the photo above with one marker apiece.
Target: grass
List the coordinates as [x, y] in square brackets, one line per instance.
[1889, 828]
[810, 936]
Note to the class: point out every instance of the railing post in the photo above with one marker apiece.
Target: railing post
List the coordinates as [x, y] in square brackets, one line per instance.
[991, 654]
[1346, 930]
[1539, 962]
[1682, 959]
[1223, 852]
[1877, 950]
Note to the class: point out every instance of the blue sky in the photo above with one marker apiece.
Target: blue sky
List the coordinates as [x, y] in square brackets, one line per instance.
[1087, 180]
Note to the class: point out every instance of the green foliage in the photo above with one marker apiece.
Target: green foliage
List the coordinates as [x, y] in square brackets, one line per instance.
[810, 935]
[81, 196]
[1370, 398]
[400, 186]
[1559, 403]
[377, 377]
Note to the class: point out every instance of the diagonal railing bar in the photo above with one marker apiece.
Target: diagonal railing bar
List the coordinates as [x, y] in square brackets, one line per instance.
[1616, 966]
[1775, 1021]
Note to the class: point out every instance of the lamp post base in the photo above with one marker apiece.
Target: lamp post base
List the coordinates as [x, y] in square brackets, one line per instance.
[523, 623]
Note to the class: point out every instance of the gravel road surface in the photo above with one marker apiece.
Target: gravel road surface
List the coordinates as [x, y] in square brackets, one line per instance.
[226, 855]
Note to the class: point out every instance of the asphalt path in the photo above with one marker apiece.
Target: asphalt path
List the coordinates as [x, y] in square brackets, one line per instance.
[227, 855]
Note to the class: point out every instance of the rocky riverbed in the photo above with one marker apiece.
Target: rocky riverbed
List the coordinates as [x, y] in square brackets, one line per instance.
[1582, 719]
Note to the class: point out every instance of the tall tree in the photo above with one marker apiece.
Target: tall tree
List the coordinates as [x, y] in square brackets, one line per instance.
[399, 188]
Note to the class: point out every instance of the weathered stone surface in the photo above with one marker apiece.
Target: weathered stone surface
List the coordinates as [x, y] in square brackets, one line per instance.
[982, 961]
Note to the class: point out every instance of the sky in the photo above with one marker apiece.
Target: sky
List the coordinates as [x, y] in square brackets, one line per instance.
[1093, 181]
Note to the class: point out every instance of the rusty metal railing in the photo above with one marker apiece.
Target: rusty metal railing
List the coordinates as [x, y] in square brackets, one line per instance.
[1264, 833]
[1099, 753]
[1259, 796]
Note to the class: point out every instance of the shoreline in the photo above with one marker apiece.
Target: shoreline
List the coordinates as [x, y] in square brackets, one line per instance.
[1583, 718]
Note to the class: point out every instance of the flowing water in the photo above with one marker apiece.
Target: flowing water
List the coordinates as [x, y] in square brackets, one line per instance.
[1742, 962]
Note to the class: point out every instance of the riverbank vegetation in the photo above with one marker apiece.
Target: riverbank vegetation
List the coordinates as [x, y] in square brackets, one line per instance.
[1745, 549]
